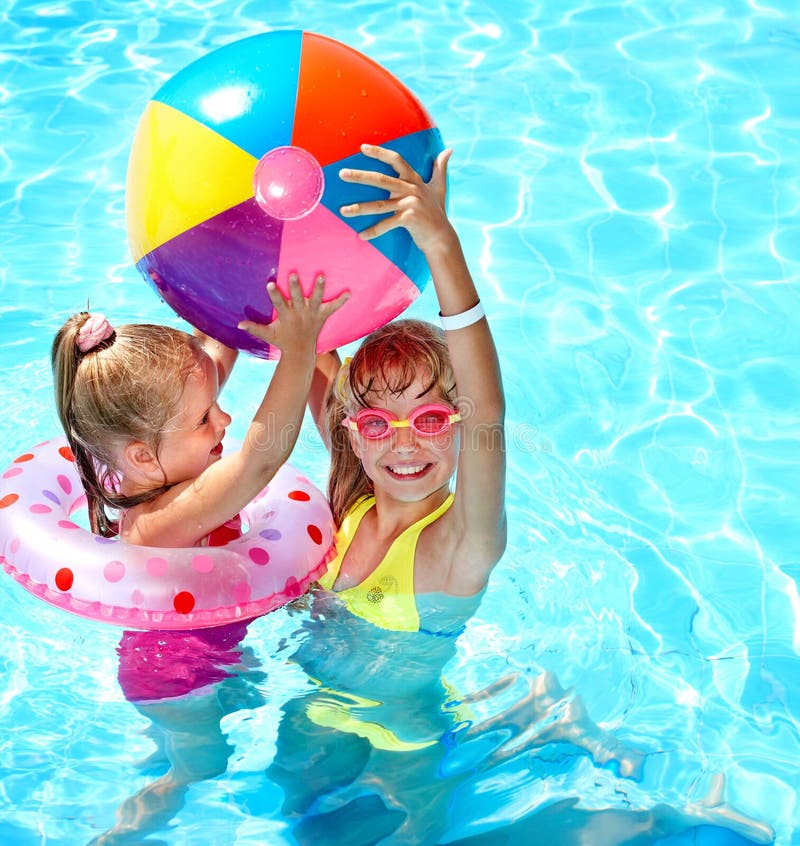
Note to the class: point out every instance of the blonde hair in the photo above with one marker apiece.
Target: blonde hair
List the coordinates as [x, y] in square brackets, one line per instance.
[388, 361]
[126, 388]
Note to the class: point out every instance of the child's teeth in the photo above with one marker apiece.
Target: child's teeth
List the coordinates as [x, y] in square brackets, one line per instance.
[407, 471]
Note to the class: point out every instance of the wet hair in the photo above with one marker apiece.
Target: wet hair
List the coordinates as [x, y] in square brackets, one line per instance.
[126, 388]
[388, 361]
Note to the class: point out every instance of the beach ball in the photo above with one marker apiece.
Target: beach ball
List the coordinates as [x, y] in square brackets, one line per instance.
[233, 181]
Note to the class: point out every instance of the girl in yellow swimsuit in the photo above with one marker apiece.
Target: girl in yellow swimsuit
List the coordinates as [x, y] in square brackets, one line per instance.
[414, 408]
[399, 429]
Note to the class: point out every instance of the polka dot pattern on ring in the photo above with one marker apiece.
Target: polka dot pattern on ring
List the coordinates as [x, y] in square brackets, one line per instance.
[157, 566]
[64, 579]
[203, 563]
[270, 534]
[183, 602]
[114, 571]
[258, 556]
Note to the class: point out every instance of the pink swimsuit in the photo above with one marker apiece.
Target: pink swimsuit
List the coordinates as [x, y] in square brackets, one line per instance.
[155, 665]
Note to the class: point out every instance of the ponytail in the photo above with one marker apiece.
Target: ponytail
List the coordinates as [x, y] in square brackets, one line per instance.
[66, 357]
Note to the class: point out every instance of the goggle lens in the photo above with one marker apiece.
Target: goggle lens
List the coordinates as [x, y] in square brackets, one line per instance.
[372, 426]
[432, 422]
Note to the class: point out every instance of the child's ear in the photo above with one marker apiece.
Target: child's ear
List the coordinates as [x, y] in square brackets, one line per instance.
[141, 458]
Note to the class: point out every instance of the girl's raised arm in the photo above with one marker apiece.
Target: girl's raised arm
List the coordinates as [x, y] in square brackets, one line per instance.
[223, 357]
[419, 207]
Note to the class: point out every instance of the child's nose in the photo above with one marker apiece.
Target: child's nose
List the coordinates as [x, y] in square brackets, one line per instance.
[222, 419]
[404, 437]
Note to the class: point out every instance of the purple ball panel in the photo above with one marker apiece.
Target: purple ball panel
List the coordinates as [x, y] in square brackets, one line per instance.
[207, 273]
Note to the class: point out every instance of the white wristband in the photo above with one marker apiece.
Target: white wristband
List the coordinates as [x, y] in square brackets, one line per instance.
[466, 318]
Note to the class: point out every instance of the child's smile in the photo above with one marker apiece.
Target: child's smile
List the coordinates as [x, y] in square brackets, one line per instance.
[408, 471]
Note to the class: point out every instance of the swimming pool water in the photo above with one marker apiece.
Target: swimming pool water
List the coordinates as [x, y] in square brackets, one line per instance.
[625, 182]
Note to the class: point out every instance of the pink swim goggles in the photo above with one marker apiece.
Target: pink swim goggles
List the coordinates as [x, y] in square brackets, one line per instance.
[429, 420]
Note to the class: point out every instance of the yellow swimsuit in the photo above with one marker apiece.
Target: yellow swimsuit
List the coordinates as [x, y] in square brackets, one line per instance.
[386, 597]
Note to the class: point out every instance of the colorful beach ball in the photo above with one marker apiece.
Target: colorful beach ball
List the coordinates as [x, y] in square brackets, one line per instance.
[233, 180]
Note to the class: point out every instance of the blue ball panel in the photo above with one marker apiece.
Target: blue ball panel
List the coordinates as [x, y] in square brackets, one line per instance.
[420, 150]
[245, 91]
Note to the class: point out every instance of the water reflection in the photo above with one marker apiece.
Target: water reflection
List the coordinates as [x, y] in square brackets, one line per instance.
[382, 748]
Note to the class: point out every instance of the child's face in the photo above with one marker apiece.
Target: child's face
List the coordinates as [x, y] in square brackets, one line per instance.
[192, 441]
[405, 465]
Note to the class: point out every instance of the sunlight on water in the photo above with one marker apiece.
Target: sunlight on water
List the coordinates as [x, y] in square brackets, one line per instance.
[625, 185]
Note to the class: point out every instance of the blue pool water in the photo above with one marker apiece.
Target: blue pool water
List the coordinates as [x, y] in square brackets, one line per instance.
[626, 183]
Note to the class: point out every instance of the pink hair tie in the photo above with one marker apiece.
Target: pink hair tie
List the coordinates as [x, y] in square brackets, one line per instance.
[95, 330]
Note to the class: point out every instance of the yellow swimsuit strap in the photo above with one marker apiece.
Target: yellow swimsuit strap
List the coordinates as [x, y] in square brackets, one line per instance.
[386, 597]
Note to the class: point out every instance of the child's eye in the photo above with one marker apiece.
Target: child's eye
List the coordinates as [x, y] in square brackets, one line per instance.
[373, 426]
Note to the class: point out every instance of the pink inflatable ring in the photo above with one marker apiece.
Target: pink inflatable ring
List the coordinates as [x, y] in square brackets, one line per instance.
[286, 545]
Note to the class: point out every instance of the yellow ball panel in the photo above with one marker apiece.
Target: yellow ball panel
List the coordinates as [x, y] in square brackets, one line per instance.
[180, 173]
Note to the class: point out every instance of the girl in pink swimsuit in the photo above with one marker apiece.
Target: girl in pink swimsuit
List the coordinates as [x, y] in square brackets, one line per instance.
[139, 407]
